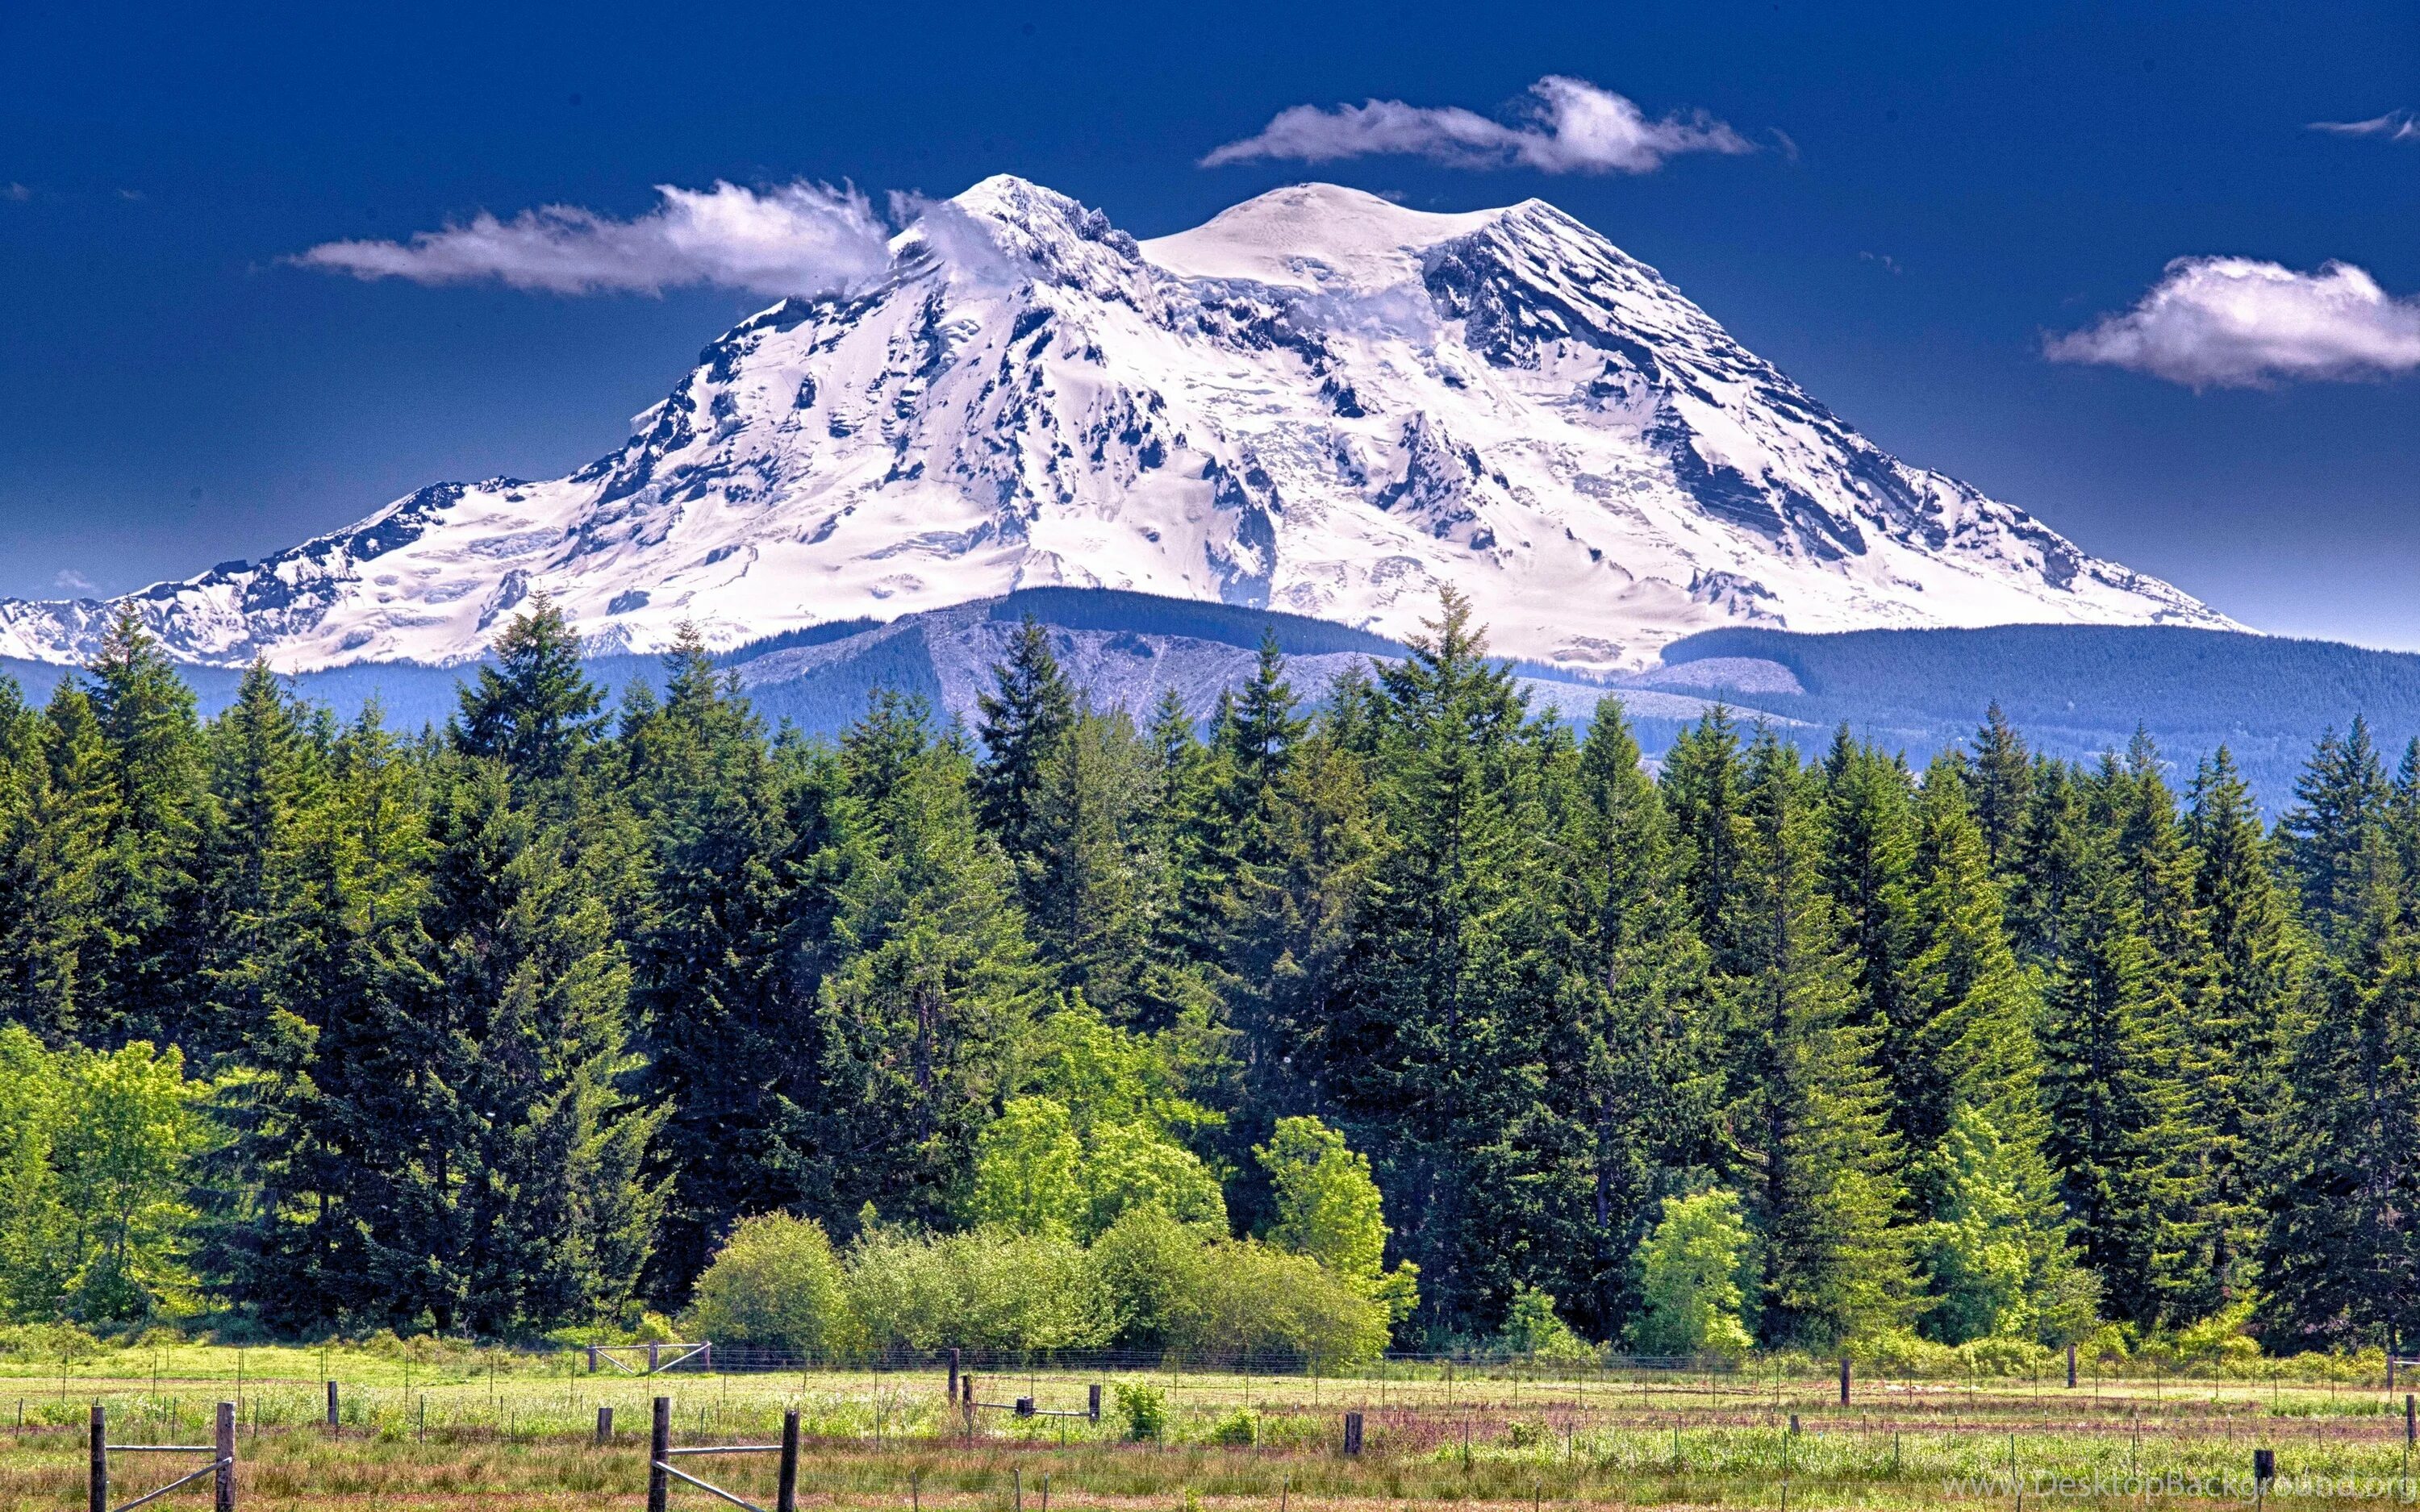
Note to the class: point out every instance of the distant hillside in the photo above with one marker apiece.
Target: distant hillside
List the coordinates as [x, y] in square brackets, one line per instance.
[2074, 690]
[2078, 689]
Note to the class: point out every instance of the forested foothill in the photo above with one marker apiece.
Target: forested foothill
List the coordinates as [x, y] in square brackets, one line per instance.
[1411, 1020]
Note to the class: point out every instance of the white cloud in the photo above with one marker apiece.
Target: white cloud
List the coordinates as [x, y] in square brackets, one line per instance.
[17, 192]
[1569, 126]
[2234, 323]
[2395, 126]
[797, 239]
[72, 580]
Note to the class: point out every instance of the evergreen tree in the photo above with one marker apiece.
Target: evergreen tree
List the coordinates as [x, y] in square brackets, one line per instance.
[1437, 1036]
[555, 1217]
[2000, 777]
[533, 709]
[708, 957]
[2241, 1034]
[2340, 798]
[2342, 1257]
[63, 803]
[142, 976]
[1807, 1107]
[1023, 719]
[1096, 880]
[1631, 1082]
[927, 988]
[1867, 848]
[2116, 1101]
[1702, 785]
[1967, 1100]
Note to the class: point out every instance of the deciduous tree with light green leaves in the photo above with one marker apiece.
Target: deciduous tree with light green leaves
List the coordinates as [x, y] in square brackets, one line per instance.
[1689, 1274]
[1328, 1208]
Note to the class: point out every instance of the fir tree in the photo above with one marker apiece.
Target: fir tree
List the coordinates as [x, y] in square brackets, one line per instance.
[1023, 719]
[2243, 1034]
[1628, 1063]
[2115, 1102]
[533, 709]
[143, 976]
[927, 988]
[2000, 777]
[707, 958]
[64, 802]
[2342, 1257]
[1442, 1015]
[1702, 785]
[1806, 1112]
[2340, 800]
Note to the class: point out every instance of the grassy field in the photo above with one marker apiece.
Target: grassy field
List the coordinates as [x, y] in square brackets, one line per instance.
[462, 1430]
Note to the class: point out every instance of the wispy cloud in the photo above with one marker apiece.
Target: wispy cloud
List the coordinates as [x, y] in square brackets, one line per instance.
[796, 239]
[72, 580]
[2395, 126]
[17, 192]
[1567, 126]
[2234, 323]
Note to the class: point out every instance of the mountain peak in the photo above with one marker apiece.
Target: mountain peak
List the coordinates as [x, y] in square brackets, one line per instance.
[1313, 236]
[1318, 401]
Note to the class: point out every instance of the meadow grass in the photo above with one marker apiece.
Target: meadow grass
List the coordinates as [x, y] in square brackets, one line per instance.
[490, 1430]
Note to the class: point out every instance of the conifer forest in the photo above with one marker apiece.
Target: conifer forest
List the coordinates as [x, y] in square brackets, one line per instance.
[1401, 1018]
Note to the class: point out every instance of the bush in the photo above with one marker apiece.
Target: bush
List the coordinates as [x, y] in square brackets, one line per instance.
[1146, 1411]
[775, 1282]
[1534, 1328]
[48, 1344]
[1146, 1260]
[1240, 1428]
[989, 1289]
[1178, 1287]
[1240, 1297]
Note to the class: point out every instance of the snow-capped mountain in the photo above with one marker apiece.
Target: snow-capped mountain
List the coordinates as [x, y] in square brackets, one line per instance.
[1318, 402]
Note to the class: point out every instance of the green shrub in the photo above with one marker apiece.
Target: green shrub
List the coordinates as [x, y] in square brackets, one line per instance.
[1145, 1409]
[1534, 1328]
[48, 1344]
[2004, 1357]
[1240, 1297]
[1240, 1428]
[775, 1282]
[989, 1289]
[1178, 1287]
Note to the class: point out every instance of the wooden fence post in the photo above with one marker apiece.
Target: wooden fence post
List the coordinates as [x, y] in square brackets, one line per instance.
[1844, 1381]
[2070, 1367]
[1092, 1403]
[223, 1442]
[705, 1358]
[785, 1494]
[651, 1357]
[97, 1481]
[332, 1407]
[592, 1359]
[953, 1375]
[604, 1427]
[660, 1448]
[1353, 1433]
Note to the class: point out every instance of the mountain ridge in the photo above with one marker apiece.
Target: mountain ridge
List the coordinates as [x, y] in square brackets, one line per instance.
[1316, 401]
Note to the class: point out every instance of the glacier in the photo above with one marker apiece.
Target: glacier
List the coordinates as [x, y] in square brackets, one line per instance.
[1319, 402]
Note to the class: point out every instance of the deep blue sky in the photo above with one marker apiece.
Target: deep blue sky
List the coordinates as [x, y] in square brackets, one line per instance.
[175, 395]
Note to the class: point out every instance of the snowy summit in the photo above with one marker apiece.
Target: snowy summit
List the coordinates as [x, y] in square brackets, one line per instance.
[1318, 401]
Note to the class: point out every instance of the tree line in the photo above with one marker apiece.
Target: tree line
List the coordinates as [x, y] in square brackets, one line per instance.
[513, 1025]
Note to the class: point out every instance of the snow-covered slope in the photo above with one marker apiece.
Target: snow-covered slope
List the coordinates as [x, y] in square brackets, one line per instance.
[1318, 402]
